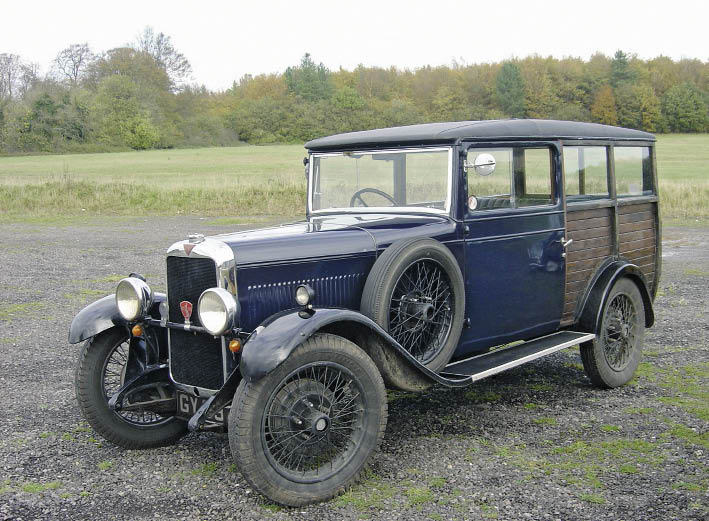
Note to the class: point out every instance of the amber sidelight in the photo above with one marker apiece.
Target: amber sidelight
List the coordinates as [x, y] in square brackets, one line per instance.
[137, 330]
[235, 345]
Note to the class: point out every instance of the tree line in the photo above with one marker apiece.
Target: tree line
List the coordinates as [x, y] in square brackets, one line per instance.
[142, 96]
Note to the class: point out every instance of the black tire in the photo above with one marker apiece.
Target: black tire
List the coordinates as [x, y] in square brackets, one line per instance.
[610, 360]
[424, 316]
[327, 452]
[95, 380]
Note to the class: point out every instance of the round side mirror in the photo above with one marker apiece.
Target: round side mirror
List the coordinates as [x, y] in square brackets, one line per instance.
[484, 164]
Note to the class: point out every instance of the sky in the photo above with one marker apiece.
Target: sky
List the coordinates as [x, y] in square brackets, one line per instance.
[223, 40]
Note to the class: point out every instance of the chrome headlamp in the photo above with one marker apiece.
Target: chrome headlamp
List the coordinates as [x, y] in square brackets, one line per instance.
[217, 310]
[133, 298]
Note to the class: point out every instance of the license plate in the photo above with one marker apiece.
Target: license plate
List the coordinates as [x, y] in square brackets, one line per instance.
[187, 405]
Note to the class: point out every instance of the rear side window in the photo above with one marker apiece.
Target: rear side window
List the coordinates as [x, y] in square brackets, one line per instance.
[520, 177]
[633, 171]
[586, 171]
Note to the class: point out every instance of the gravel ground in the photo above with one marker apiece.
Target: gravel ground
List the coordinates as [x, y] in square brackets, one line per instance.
[537, 442]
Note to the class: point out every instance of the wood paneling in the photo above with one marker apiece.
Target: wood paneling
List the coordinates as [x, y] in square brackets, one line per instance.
[637, 237]
[592, 233]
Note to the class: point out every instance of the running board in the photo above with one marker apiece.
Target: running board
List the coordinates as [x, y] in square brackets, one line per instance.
[481, 366]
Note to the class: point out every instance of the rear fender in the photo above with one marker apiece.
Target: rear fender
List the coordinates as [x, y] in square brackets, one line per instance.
[102, 315]
[282, 334]
[597, 294]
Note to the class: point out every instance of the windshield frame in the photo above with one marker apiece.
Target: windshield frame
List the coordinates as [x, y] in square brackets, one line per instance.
[382, 209]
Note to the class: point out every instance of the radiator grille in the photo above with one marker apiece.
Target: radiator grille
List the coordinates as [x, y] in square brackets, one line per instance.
[186, 280]
[195, 359]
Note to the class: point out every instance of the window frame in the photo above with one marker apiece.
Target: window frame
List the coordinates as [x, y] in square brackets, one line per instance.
[449, 204]
[554, 147]
[612, 199]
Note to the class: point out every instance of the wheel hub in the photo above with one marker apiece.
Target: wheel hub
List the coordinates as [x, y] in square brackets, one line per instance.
[417, 309]
[308, 415]
[320, 424]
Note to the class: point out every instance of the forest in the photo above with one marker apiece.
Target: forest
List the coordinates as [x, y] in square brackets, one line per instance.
[143, 96]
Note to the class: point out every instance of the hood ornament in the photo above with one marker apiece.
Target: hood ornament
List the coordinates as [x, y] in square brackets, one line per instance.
[193, 240]
[186, 309]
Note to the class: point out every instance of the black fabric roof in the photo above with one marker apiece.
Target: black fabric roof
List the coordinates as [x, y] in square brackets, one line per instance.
[432, 133]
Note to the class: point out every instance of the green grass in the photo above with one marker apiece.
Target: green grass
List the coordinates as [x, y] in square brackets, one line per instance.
[545, 421]
[105, 465]
[36, 488]
[593, 498]
[372, 493]
[419, 495]
[206, 181]
[205, 470]
[246, 181]
[17, 311]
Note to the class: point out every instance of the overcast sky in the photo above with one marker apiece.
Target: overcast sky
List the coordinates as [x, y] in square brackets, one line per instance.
[225, 40]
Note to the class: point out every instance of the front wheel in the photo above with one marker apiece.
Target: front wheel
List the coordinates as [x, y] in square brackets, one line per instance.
[100, 372]
[610, 360]
[305, 432]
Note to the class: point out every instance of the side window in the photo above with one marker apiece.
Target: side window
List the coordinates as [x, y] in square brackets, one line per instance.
[537, 178]
[586, 171]
[520, 177]
[633, 171]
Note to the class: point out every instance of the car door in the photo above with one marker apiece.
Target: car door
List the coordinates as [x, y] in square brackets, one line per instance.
[514, 252]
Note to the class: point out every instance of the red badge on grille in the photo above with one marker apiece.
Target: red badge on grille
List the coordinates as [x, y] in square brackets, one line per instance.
[186, 308]
[188, 247]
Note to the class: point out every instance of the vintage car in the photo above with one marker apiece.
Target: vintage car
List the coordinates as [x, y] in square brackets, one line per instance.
[440, 253]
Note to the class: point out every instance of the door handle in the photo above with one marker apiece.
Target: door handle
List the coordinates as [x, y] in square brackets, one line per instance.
[564, 242]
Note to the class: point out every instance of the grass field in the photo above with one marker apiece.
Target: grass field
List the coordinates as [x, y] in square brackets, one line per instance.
[246, 181]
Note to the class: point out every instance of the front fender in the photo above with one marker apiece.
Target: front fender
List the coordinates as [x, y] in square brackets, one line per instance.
[279, 337]
[102, 315]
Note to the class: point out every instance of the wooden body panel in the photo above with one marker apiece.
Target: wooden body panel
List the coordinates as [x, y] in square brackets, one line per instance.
[637, 237]
[628, 231]
[592, 234]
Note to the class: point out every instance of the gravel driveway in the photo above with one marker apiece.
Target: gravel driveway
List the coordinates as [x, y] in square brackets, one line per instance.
[537, 442]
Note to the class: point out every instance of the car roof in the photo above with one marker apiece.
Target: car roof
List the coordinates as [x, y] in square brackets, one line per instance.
[451, 132]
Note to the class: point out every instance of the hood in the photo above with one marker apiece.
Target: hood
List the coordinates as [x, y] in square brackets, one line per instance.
[330, 236]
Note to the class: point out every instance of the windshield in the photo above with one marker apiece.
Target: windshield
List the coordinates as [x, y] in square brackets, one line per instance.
[382, 181]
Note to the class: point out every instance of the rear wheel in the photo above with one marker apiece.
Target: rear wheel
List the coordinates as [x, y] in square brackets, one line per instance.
[100, 372]
[610, 360]
[305, 432]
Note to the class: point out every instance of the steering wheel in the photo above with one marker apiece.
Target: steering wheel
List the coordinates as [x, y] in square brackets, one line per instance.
[358, 195]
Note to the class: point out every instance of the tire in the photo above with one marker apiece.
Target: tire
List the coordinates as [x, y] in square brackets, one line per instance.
[610, 360]
[306, 453]
[97, 377]
[415, 292]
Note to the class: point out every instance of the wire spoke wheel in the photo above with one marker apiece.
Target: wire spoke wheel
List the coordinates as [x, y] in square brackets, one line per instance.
[610, 359]
[420, 314]
[305, 431]
[620, 332]
[313, 422]
[113, 377]
[415, 291]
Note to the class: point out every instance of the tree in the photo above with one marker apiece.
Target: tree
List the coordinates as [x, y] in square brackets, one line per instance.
[510, 90]
[620, 69]
[71, 63]
[159, 46]
[684, 110]
[10, 68]
[541, 94]
[603, 107]
[637, 107]
[309, 80]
